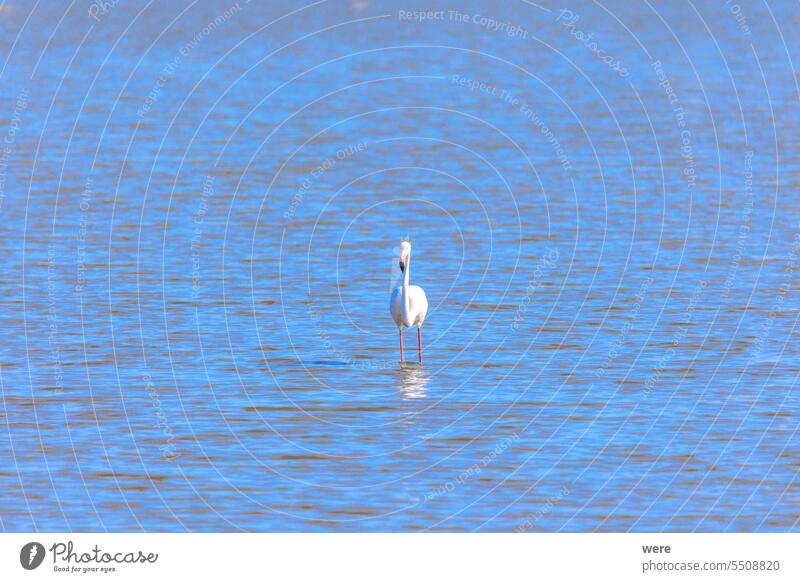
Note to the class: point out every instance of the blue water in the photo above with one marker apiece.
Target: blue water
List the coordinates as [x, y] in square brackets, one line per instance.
[201, 208]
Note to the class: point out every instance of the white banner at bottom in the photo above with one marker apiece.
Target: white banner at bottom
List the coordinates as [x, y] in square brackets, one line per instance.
[406, 557]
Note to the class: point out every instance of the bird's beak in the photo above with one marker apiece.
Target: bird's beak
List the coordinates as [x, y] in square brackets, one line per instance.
[403, 261]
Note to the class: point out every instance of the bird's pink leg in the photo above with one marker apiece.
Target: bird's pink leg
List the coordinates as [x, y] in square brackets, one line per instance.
[419, 343]
[401, 343]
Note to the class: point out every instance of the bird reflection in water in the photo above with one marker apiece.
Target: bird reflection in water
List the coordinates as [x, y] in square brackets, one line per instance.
[413, 381]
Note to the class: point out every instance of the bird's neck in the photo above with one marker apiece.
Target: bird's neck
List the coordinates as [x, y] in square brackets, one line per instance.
[406, 298]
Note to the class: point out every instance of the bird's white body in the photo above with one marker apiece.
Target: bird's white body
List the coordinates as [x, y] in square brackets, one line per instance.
[408, 303]
[410, 313]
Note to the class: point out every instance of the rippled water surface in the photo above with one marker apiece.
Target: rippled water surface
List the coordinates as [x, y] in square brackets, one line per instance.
[201, 211]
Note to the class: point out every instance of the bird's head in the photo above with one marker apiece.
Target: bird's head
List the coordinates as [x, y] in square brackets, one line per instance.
[405, 255]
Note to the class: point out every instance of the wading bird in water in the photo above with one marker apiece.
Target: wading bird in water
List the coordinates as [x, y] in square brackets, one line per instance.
[408, 304]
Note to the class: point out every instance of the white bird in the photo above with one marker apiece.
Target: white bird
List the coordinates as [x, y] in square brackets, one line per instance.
[408, 304]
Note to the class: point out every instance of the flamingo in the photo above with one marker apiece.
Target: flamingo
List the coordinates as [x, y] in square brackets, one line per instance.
[408, 303]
